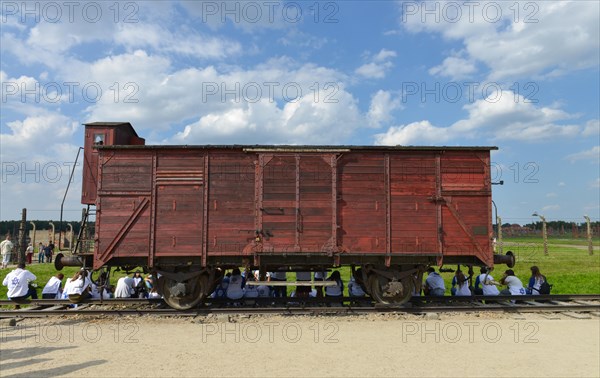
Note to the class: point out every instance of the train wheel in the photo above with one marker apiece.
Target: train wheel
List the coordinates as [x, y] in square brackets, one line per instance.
[385, 291]
[187, 294]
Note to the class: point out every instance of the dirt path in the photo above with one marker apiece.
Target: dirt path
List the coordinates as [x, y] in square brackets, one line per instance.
[460, 345]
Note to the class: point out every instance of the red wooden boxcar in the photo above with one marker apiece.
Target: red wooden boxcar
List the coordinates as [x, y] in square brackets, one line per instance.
[187, 212]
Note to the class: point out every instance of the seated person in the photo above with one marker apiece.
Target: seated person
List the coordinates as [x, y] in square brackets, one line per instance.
[462, 283]
[338, 289]
[235, 289]
[354, 288]
[486, 281]
[250, 291]
[80, 287]
[536, 281]
[514, 285]
[124, 288]
[434, 284]
[53, 288]
[18, 284]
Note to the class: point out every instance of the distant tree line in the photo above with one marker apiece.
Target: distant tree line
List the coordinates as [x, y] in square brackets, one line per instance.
[557, 228]
[13, 226]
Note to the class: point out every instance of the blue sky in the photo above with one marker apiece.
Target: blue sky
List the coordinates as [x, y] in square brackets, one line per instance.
[523, 76]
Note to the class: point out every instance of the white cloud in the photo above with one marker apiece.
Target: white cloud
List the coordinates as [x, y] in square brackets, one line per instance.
[502, 116]
[263, 122]
[421, 132]
[35, 131]
[384, 55]
[184, 42]
[514, 49]
[167, 96]
[382, 105]
[550, 208]
[596, 184]
[592, 128]
[551, 195]
[378, 66]
[593, 155]
[37, 159]
[454, 67]
[508, 116]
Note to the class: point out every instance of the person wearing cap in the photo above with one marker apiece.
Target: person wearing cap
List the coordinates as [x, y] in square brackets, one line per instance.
[53, 289]
[434, 284]
[514, 285]
[18, 284]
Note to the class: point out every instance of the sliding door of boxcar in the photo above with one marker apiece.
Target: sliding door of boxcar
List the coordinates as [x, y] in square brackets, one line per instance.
[415, 215]
[362, 203]
[278, 208]
[179, 205]
[297, 208]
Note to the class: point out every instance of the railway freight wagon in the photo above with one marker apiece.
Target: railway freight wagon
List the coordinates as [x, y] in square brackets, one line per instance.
[190, 212]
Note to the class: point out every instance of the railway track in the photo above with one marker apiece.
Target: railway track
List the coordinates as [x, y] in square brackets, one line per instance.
[265, 306]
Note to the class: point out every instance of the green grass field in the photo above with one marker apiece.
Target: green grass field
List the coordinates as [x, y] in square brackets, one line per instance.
[568, 266]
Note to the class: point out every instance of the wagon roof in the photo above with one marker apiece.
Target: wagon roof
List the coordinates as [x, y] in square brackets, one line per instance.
[297, 148]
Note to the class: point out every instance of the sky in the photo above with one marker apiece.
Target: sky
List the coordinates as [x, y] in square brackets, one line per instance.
[522, 76]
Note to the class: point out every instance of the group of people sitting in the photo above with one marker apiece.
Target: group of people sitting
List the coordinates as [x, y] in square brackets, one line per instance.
[485, 284]
[78, 287]
[136, 286]
[235, 285]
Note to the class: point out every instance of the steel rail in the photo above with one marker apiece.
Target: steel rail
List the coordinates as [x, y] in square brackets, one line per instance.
[414, 300]
[526, 307]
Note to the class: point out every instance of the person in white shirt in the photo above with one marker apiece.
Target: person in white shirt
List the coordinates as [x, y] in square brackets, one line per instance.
[53, 288]
[17, 282]
[79, 288]
[462, 283]
[6, 248]
[434, 284]
[486, 281]
[235, 290]
[29, 254]
[139, 287]
[514, 285]
[250, 291]
[64, 294]
[536, 281]
[124, 287]
[354, 289]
